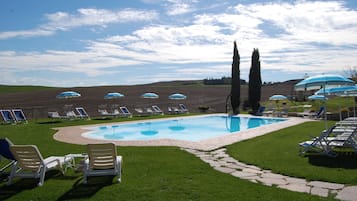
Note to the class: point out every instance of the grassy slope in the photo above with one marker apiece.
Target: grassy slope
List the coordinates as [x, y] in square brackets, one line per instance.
[150, 173]
[279, 152]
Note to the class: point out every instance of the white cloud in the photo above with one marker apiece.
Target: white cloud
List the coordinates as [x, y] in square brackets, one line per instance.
[61, 21]
[305, 36]
[179, 7]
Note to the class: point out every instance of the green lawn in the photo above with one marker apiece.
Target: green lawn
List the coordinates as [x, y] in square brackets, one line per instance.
[150, 173]
[279, 152]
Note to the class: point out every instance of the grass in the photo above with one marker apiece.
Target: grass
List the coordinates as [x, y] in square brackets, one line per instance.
[333, 104]
[279, 150]
[150, 173]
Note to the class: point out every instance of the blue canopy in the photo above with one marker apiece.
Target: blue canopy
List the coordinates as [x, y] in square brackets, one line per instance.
[317, 97]
[277, 97]
[177, 96]
[113, 95]
[68, 94]
[320, 81]
[337, 90]
[150, 95]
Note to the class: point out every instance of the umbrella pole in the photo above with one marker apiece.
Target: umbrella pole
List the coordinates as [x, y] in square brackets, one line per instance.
[325, 106]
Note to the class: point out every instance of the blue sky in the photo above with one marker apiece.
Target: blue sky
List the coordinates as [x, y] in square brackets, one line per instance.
[95, 42]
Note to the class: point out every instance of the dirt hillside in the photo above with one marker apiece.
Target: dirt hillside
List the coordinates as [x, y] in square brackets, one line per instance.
[36, 104]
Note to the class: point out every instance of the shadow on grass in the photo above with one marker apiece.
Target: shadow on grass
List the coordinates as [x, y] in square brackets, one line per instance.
[344, 161]
[21, 185]
[82, 191]
[50, 122]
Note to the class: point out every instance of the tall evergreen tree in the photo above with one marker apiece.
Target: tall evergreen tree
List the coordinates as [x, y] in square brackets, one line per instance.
[255, 83]
[235, 84]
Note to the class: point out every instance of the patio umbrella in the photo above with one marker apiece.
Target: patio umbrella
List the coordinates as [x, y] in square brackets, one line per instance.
[278, 97]
[68, 94]
[177, 96]
[337, 90]
[113, 95]
[150, 95]
[321, 82]
[317, 97]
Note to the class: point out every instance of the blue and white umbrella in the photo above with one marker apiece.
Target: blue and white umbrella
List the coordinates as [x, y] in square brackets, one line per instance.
[337, 90]
[278, 97]
[113, 95]
[322, 81]
[317, 97]
[177, 96]
[68, 94]
[150, 95]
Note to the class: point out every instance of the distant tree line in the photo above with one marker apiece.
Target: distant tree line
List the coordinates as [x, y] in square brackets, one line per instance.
[221, 81]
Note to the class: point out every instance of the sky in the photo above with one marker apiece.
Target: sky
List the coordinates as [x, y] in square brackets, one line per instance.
[109, 42]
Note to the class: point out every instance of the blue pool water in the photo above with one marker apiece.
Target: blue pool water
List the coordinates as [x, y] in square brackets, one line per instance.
[186, 128]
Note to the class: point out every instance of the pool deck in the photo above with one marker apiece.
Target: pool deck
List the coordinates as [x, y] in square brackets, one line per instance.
[73, 135]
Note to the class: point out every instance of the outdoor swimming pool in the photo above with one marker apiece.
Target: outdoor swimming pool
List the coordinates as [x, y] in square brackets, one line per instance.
[195, 128]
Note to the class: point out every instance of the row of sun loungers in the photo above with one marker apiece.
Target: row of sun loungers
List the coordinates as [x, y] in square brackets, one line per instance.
[339, 139]
[81, 114]
[141, 111]
[13, 116]
[121, 112]
[26, 161]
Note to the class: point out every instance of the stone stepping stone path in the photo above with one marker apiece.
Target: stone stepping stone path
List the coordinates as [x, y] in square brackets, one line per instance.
[222, 162]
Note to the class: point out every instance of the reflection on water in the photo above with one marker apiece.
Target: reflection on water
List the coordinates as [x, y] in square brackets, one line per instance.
[238, 124]
[190, 128]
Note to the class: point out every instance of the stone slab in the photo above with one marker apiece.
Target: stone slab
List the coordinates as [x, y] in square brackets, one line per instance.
[296, 187]
[322, 192]
[321, 184]
[348, 193]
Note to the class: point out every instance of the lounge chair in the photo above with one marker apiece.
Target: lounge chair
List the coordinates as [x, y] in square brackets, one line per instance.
[82, 113]
[72, 115]
[260, 111]
[269, 110]
[305, 113]
[331, 142]
[8, 116]
[172, 110]
[105, 113]
[30, 164]
[142, 112]
[56, 115]
[183, 108]
[318, 145]
[125, 112]
[5, 152]
[102, 160]
[318, 114]
[157, 110]
[19, 115]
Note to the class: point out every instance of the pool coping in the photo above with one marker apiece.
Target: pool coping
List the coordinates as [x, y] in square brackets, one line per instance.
[73, 135]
